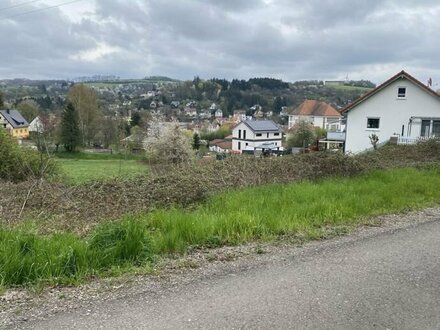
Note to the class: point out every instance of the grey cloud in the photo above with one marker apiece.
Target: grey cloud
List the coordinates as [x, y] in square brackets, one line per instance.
[290, 39]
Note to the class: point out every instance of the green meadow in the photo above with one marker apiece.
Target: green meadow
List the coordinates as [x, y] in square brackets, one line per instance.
[80, 168]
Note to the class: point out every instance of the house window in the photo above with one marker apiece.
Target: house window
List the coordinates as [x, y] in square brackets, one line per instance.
[258, 134]
[276, 134]
[244, 134]
[239, 134]
[247, 144]
[426, 126]
[267, 135]
[401, 92]
[430, 128]
[239, 145]
[373, 123]
[436, 128]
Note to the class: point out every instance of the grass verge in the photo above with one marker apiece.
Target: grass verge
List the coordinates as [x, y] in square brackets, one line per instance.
[307, 210]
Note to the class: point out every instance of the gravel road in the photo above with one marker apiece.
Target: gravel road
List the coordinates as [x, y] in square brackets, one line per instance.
[384, 277]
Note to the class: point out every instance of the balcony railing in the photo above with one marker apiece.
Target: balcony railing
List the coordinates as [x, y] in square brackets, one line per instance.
[336, 136]
[411, 140]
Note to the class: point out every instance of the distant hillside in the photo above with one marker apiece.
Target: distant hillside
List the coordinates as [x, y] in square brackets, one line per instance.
[263, 93]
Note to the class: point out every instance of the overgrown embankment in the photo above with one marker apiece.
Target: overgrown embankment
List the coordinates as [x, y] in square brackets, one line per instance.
[79, 208]
[301, 211]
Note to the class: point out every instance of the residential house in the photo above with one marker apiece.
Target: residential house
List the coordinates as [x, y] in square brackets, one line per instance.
[190, 112]
[256, 135]
[220, 145]
[14, 123]
[402, 107]
[239, 115]
[205, 114]
[268, 114]
[218, 113]
[258, 114]
[36, 125]
[318, 113]
[175, 104]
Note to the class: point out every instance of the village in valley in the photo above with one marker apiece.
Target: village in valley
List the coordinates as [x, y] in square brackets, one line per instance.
[129, 116]
[229, 164]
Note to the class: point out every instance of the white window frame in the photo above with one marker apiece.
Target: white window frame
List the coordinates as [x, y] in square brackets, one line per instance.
[401, 96]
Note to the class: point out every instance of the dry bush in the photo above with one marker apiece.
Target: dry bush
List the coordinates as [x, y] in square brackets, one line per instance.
[79, 208]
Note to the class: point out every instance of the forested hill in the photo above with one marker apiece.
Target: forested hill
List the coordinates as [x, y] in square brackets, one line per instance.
[271, 94]
[268, 94]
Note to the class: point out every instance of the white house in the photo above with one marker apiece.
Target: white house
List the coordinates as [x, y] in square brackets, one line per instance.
[402, 106]
[220, 145]
[36, 125]
[252, 135]
[319, 114]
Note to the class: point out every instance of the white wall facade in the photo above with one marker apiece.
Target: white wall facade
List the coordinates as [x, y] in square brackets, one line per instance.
[328, 123]
[243, 138]
[394, 114]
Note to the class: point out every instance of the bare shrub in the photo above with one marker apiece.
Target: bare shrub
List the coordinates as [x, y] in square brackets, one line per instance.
[79, 208]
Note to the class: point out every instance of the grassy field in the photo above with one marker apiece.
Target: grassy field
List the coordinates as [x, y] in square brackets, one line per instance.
[350, 88]
[76, 171]
[301, 211]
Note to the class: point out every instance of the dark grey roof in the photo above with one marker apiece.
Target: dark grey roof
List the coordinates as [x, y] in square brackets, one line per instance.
[262, 126]
[14, 118]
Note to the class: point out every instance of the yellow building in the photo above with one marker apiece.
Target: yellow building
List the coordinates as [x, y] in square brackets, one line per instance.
[14, 123]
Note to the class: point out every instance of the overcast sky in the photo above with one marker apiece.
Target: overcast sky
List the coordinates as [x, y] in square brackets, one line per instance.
[287, 39]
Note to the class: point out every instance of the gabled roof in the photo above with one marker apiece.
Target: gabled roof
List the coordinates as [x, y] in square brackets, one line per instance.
[14, 118]
[262, 125]
[401, 75]
[225, 145]
[315, 108]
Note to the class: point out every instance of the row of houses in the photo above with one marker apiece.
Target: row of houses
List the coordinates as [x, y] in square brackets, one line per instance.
[402, 108]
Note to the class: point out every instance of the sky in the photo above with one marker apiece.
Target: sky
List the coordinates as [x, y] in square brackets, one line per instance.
[285, 39]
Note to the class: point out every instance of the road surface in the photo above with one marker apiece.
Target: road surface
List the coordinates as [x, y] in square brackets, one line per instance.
[387, 281]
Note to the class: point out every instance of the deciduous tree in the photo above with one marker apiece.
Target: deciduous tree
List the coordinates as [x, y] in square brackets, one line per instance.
[302, 134]
[85, 101]
[29, 109]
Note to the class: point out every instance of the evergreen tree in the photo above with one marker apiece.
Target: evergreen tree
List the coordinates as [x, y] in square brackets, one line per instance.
[70, 133]
[135, 119]
[196, 141]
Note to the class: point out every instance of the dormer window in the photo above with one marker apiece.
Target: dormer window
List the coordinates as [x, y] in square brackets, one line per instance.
[401, 92]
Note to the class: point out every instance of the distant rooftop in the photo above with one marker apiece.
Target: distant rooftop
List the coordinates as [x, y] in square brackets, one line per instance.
[262, 125]
[14, 118]
[315, 108]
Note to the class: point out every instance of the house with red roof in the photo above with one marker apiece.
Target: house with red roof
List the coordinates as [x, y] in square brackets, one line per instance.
[401, 107]
[318, 113]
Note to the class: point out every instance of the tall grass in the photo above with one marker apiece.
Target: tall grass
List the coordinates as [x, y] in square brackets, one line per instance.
[28, 258]
[307, 210]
